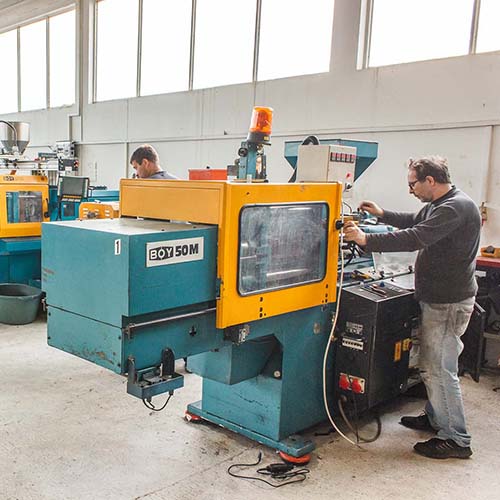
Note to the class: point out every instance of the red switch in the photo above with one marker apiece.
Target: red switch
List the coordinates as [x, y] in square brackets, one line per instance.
[356, 386]
[344, 382]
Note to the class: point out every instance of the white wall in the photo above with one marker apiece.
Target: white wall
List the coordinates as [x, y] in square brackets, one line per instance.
[449, 107]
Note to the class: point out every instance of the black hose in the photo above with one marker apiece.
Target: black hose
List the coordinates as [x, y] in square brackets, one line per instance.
[355, 430]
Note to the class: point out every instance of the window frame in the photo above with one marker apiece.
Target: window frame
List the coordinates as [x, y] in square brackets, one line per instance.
[77, 51]
[46, 18]
[94, 43]
[93, 38]
[365, 36]
[47, 69]
[8, 30]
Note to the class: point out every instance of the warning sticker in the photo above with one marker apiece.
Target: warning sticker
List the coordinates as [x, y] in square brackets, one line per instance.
[397, 351]
[406, 344]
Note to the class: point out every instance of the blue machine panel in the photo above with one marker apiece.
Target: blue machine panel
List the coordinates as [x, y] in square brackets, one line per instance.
[273, 402]
[130, 267]
[20, 260]
[92, 340]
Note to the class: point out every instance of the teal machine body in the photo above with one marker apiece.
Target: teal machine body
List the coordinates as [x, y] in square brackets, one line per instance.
[109, 303]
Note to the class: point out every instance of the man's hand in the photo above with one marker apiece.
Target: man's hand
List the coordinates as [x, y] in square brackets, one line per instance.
[371, 208]
[353, 233]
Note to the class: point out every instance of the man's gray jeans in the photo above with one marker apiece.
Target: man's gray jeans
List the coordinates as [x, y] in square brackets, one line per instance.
[441, 327]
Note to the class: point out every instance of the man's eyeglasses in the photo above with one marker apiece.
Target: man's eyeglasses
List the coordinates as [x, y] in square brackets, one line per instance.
[411, 184]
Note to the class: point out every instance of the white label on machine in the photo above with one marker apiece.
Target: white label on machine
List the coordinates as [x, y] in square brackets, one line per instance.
[355, 328]
[118, 247]
[162, 253]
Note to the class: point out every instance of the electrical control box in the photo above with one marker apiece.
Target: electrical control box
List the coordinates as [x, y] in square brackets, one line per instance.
[374, 342]
[326, 163]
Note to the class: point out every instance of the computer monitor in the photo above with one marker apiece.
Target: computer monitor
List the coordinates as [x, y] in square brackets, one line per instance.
[74, 188]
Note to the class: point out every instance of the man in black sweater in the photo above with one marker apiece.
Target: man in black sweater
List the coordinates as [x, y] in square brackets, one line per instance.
[446, 234]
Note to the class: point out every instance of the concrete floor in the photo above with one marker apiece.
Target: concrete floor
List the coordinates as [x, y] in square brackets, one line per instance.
[68, 430]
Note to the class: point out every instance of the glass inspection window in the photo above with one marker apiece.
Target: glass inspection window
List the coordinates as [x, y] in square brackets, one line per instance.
[281, 246]
[24, 206]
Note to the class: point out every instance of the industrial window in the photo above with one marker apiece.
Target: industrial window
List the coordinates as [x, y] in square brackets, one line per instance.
[224, 42]
[295, 38]
[62, 49]
[166, 46]
[406, 30]
[117, 35]
[53, 36]
[488, 37]
[8, 56]
[281, 246]
[33, 55]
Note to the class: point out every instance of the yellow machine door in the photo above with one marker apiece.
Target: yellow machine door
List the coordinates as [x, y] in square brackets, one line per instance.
[278, 250]
[23, 207]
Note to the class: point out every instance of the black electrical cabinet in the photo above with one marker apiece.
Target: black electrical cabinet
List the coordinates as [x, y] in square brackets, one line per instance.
[373, 343]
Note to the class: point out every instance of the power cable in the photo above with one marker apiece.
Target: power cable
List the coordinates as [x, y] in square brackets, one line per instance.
[152, 407]
[278, 471]
[332, 335]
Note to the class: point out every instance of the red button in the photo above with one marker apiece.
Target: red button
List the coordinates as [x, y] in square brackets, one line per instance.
[344, 382]
[356, 386]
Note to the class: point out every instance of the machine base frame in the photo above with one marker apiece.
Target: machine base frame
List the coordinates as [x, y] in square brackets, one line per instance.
[293, 445]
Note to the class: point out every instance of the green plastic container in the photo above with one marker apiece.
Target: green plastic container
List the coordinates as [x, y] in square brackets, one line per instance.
[18, 303]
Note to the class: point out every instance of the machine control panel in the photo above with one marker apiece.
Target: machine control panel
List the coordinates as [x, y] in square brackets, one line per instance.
[374, 330]
[327, 163]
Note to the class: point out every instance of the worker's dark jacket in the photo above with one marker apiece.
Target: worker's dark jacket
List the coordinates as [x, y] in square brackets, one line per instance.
[446, 235]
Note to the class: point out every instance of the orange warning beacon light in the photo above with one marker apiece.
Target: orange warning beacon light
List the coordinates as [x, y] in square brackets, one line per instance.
[260, 125]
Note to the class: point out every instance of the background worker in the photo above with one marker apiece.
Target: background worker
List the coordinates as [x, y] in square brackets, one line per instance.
[146, 163]
[446, 234]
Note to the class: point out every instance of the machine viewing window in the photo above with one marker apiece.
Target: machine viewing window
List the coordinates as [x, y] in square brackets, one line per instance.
[24, 206]
[281, 246]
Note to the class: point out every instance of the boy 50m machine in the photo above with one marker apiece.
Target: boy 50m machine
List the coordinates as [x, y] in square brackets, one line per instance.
[245, 286]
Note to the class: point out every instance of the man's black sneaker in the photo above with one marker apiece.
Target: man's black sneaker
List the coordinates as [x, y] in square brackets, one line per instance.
[421, 423]
[442, 448]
